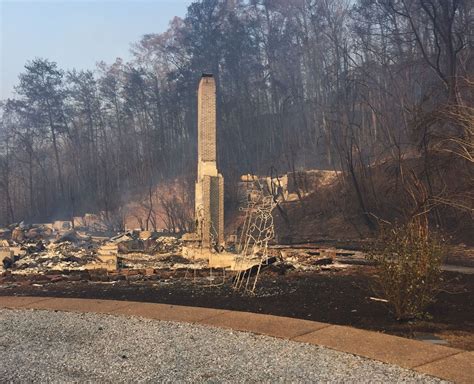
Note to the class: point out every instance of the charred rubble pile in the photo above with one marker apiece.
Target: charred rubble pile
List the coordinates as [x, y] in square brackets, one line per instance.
[41, 248]
[59, 251]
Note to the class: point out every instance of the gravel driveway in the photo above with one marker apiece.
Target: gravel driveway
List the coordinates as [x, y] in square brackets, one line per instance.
[42, 346]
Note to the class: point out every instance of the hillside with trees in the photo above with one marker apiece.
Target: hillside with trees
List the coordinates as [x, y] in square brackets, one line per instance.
[381, 90]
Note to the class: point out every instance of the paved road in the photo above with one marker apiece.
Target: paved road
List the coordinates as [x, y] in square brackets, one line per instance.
[42, 346]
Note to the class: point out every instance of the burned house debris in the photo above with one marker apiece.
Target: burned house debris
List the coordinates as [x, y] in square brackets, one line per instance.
[209, 197]
[42, 250]
[84, 244]
[257, 231]
[207, 242]
[209, 188]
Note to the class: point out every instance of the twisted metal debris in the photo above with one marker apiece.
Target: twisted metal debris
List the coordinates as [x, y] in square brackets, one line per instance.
[258, 229]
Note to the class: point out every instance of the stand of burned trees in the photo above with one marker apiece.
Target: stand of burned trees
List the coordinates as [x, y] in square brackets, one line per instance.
[375, 89]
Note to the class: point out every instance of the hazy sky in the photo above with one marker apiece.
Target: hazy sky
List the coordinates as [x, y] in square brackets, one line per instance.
[76, 34]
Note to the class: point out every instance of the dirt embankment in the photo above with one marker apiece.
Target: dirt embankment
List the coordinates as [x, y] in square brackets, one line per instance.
[324, 206]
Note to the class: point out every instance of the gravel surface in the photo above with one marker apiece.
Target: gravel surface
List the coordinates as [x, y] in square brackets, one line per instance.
[43, 346]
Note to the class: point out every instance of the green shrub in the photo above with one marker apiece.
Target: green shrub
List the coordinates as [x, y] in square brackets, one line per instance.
[408, 261]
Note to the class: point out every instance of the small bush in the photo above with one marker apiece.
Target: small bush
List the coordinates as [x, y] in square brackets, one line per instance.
[409, 268]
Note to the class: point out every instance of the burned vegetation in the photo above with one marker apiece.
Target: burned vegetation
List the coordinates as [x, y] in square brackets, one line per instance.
[311, 159]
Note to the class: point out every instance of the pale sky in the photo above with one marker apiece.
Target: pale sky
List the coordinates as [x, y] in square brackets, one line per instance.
[76, 34]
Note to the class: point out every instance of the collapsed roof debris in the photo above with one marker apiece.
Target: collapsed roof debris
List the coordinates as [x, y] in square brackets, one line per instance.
[43, 247]
[40, 251]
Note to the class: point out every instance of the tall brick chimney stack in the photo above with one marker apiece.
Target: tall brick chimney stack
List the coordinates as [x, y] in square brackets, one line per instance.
[209, 202]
